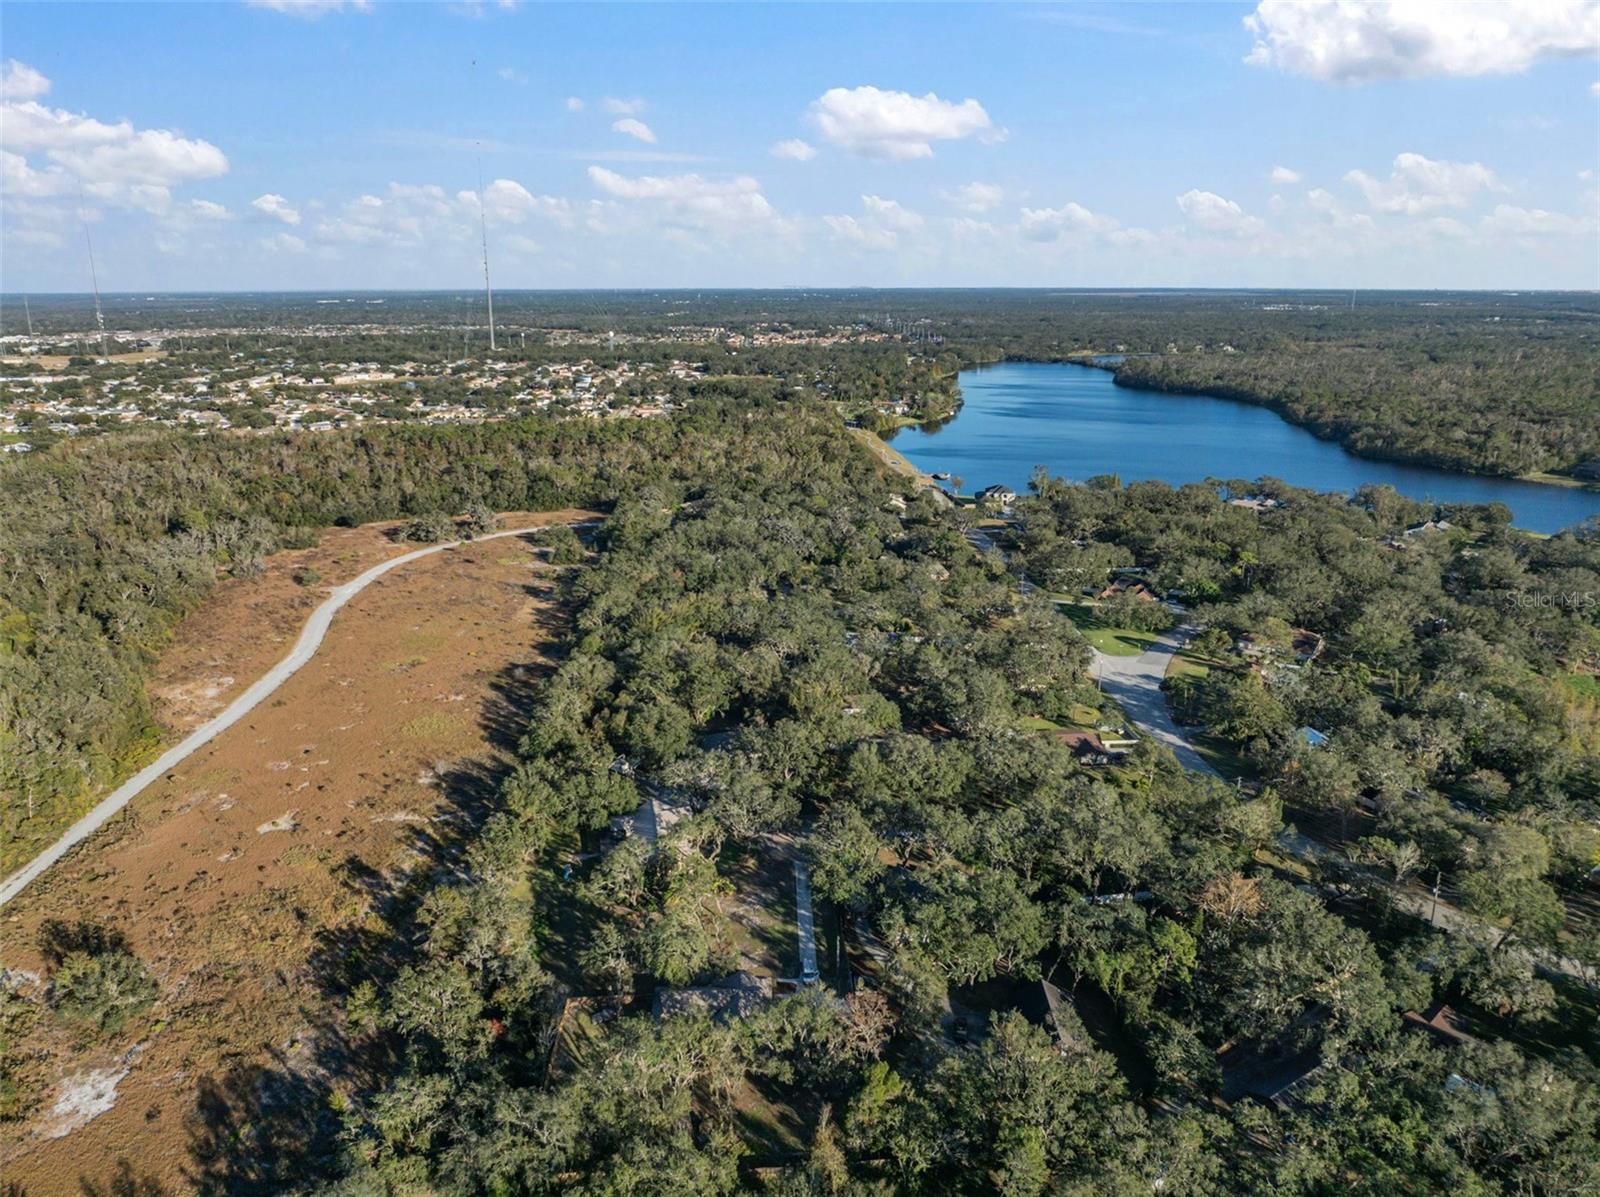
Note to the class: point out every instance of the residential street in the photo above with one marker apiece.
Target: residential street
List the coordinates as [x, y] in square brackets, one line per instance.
[1135, 683]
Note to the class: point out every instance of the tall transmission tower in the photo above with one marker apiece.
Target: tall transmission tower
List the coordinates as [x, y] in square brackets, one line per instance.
[27, 313]
[94, 277]
[483, 229]
[94, 281]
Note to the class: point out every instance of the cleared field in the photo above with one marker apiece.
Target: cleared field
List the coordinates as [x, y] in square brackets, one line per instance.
[61, 361]
[246, 877]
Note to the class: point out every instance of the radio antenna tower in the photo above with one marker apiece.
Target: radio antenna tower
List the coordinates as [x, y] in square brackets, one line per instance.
[27, 313]
[483, 229]
[94, 277]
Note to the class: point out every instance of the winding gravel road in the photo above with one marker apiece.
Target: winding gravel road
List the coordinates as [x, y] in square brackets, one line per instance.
[304, 649]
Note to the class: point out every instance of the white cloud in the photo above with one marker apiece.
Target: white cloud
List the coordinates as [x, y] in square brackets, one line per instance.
[1282, 176]
[632, 127]
[574, 104]
[312, 9]
[975, 197]
[207, 210]
[1353, 41]
[794, 149]
[1418, 184]
[1073, 224]
[37, 238]
[1594, 88]
[1214, 214]
[276, 207]
[852, 231]
[896, 124]
[1509, 221]
[506, 200]
[880, 225]
[618, 107]
[512, 75]
[691, 201]
[891, 212]
[1050, 224]
[284, 243]
[966, 228]
[19, 180]
[113, 163]
[19, 81]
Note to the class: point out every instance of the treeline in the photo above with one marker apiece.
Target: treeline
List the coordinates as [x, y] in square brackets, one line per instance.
[787, 647]
[108, 543]
[1488, 405]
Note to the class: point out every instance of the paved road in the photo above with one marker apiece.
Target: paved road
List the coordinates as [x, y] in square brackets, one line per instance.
[805, 922]
[304, 649]
[1135, 682]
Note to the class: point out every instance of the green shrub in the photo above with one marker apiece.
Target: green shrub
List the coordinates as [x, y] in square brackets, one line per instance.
[428, 528]
[564, 545]
[480, 521]
[103, 990]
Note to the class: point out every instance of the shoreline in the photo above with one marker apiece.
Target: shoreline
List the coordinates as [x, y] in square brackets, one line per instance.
[891, 457]
[1086, 358]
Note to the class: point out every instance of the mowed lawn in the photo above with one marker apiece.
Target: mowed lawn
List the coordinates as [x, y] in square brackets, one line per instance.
[1113, 641]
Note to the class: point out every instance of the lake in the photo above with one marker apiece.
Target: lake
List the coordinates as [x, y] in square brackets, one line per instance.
[1076, 422]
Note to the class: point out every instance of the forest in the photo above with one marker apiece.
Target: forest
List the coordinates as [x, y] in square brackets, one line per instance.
[794, 647]
[1039, 970]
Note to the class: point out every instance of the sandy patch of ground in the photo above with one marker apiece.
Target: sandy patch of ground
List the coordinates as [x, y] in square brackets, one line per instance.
[248, 624]
[271, 850]
[60, 361]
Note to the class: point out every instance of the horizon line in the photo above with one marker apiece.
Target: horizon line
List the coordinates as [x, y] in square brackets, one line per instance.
[752, 289]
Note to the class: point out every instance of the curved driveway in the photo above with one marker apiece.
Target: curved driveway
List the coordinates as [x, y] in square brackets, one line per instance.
[304, 649]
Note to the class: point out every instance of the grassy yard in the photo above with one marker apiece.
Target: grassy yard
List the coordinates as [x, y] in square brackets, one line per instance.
[1585, 685]
[1186, 664]
[761, 918]
[1220, 755]
[1079, 718]
[1114, 642]
[889, 456]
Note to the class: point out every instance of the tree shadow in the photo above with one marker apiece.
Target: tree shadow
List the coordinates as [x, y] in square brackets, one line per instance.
[266, 1128]
[260, 1129]
[59, 939]
[124, 1182]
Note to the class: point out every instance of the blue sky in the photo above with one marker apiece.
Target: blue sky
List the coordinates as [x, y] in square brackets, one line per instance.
[1393, 143]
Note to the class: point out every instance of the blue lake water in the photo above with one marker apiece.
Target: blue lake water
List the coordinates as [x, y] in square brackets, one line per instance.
[1077, 423]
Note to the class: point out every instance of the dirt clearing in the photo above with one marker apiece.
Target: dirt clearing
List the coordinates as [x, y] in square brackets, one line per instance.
[236, 876]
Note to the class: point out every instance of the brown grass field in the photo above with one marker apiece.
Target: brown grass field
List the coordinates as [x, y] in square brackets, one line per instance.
[245, 876]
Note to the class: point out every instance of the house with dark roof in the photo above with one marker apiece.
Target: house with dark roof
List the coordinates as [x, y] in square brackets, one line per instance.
[737, 995]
